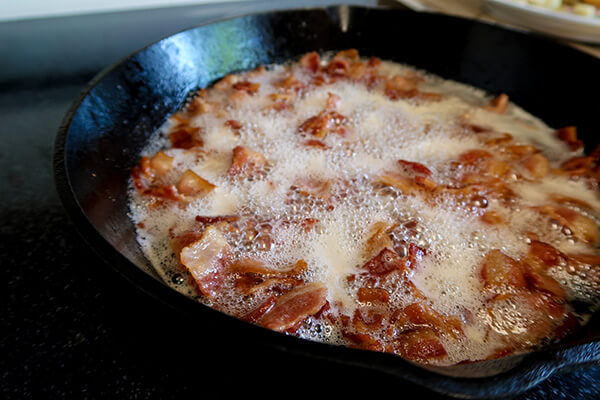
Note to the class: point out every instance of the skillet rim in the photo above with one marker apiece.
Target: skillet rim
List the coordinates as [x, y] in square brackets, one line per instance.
[535, 367]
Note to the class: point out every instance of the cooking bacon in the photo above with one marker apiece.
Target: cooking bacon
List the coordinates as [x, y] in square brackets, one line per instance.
[373, 295]
[291, 83]
[537, 165]
[261, 310]
[499, 104]
[246, 86]
[190, 184]
[294, 307]
[206, 260]
[385, 262]
[583, 228]
[233, 124]
[415, 167]
[379, 238]
[537, 317]
[363, 341]
[401, 87]
[311, 61]
[161, 163]
[257, 267]
[327, 121]
[501, 273]
[419, 316]
[420, 345]
[245, 162]
[316, 144]
[185, 138]
[568, 134]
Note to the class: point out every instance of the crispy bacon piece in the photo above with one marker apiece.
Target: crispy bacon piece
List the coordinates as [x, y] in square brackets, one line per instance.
[185, 138]
[363, 341]
[349, 54]
[261, 310]
[583, 228]
[485, 166]
[501, 273]
[491, 218]
[401, 87]
[419, 316]
[475, 157]
[498, 105]
[541, 282]
[504, 139]
[316, 144]
[338, 67]
[233, 124]
[373, 295]
[420, 345]
[406, 185]
[313, 187]
[185, 239]
[206, 259]
[256, 277]
[542, 256]
[577, 164]
[190, 184]
[213, 220]
[425, 182]
[316, 126]
[143, 174]
[291, 83]
[250, 88]
[368, 319]
[537, 316]
[250, 285]
[200, 106]
[568, 134]
[311, 61]
[385, 262]
[294, 307]
[415, 167]
[245, 162]
[562, 199]
[257, 267]
[379, 238]
[518, 151]
[537, 165]
[226, 82]
[327, 121]
[161, 163]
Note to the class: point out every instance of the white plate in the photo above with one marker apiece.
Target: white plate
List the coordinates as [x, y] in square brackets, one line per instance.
[555, 23]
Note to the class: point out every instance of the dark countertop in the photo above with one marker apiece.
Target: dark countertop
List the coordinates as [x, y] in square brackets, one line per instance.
[72, 328]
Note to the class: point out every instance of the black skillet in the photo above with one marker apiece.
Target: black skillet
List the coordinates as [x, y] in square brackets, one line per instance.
[106, 127]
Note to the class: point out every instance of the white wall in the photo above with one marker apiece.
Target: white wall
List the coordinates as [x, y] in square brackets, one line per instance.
[25, 9]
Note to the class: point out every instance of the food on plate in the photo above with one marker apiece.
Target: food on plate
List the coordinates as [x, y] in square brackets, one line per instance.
[585, 8]
[365, 203]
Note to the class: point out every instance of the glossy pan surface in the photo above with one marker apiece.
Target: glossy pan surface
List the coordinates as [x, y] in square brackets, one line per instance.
[105, 129]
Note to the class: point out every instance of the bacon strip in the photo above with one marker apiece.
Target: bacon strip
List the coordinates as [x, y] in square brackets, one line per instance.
[294, 307]
[206, 259]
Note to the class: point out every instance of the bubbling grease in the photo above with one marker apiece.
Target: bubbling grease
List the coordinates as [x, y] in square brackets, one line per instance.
[381, 131]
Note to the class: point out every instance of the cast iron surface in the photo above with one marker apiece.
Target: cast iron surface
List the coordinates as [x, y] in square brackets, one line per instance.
[103, 134]
[76, 331]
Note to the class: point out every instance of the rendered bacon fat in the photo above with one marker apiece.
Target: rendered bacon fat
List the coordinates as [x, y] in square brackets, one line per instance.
[364, 203]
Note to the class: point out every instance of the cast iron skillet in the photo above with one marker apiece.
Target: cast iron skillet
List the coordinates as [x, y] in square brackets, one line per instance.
[106, 127]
